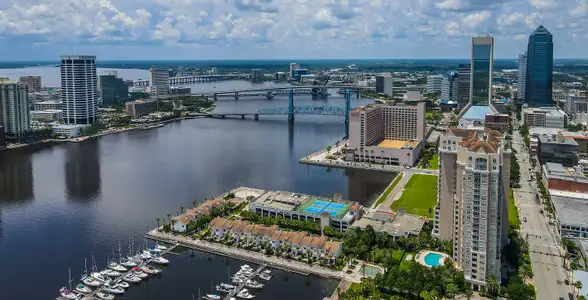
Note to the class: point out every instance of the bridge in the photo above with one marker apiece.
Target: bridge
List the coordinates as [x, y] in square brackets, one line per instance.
[291, 110]
[271, 92]
[190, 79]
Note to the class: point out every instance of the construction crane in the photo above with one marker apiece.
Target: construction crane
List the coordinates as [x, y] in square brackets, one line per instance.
[320, 81]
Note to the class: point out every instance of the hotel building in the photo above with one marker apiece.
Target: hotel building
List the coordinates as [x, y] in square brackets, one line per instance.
[79, 89]
[472, 207]
[387, 134]
[159, 81]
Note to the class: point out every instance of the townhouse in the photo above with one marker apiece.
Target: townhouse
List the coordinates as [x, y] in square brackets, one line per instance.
[181, 221]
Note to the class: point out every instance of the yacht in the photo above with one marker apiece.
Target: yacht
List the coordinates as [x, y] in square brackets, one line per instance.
[132, 278]
[111, 273]
[253, 284]
[160, 247]
[228, 286]
[139, 273]
[150, 270]
[145, 255]
[211, 297]
[116, 267]
[129, 263]
[122, 284]
[113, 289]
[265, 276]
[239, 280]
[247, 268]
[104, 296]
[160, 260]
[223, 289]
[67, 294]
[244, 294]
[83, 289]
[99, 276]
[91, 281]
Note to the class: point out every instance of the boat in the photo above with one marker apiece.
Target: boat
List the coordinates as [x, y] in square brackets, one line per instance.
[116, 267]
[99, 276]
[158, 246]
[83, 289]
[254, 284]
[68, 293]
[113, 288]
[111, 273]
[228, 286]
[91, 281]
[223, 289]
[139, 273]
[244, 294]
[211, 297]
[239, 280]
[104, 296]
[150, 270]
[122, 284]
[132, 278]
[129, 263]
[246, 268]
[145, 255]
[160, 260]
[265, 276]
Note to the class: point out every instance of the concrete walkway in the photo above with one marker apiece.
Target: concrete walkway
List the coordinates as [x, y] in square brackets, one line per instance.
[396, 192]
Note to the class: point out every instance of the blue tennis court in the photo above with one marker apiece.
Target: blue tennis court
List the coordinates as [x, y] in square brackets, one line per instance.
[318, 206]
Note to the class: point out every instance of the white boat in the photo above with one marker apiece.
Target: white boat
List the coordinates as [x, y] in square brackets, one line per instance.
[212, 297]
[111, 273]
[83, 289]
[136, 259]
[113, 289]
[254, 284]
[223, 289]
[91, 281]
[122, 284]
[247, 268]
[128, 263]
[265, 276]
[67, 294]
[116, 267]
[136, 271]
[150, 270]
[160, 260]
[228, 286]
[145, 255]
[99, 276]
[159, 246]
[132, 278]
[244, 294]
[104, 296]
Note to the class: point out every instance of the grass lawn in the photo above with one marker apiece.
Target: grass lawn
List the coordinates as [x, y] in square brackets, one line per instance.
[404, 263]
[420, 195]
[513, 213]
[434, 162]
[388, 190]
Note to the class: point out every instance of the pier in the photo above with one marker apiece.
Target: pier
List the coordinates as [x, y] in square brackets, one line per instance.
[240, 286]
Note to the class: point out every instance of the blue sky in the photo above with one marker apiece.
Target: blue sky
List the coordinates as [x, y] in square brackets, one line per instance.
[283, 29]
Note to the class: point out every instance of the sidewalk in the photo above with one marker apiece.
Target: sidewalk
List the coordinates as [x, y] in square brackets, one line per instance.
[397, 191]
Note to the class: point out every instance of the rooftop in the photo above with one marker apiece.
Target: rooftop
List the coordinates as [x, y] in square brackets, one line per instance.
[398, 144]
[553, 111]
[559, 139]
[571, 208]
[474, 141]
[281, 200]
[395, 224]
[477, 112]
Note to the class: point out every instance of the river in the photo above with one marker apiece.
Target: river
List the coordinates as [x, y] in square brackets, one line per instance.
[59, 204]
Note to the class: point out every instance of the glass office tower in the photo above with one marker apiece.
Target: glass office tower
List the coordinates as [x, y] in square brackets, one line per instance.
[539, 79]
[481, 70]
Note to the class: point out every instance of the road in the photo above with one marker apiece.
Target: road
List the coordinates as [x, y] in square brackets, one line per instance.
[544, 247]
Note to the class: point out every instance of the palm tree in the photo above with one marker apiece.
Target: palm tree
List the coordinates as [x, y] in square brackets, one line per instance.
[493, 285]
[194, 203]
[182, 210]
[157, 219]
[578, 285]
[429, 295]
[329, 149]
[468, 293]
[169, 217]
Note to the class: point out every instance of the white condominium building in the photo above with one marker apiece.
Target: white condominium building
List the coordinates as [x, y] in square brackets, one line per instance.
[79, 89]
[472, 208]
[159, 81]
[14, 107]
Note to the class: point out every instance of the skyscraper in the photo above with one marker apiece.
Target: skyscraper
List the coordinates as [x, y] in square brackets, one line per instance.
[113, 90]
[463, 85]
[539, 72]
[472, 207]
[159, 81]
[481, 72]
[33, 82]
[79, 89]
[522, 77]
[450, 87]
[14, 107]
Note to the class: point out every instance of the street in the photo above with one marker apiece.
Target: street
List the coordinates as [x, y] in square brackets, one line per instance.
[544, 247]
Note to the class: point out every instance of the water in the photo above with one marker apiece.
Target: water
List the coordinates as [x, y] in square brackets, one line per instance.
[433, 259]
[59, 204]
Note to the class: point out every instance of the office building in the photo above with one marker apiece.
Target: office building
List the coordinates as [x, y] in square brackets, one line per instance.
[385, 84]
[559, 149]
[497, 122]
[575, 104]
[387, 134]
[522, 77]
[33, 82]
[14, 107]
[139, 108]
[463, 85]
[257, 75]
[434, 83]
[44, 105]
[481, 72]
[180, 90]
[159, 82]
[47, 115]
[569, 179]
[539, 81]
[281, 76]
[551, 117]
[68, 131]
[293, 68]
[472, 204]
[79, 89]
[113, 90]
[449, 87]
[571, 213]
[298, 73]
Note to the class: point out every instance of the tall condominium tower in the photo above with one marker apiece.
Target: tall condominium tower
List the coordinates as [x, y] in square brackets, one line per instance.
[539, 72]
[79, 89]
[33, 82]
[14, 107]
[472, 209]
[481, 70]
[522, 77]
[159, 81]
[463, 85]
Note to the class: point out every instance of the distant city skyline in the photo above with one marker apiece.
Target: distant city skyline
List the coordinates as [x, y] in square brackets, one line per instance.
[285, 29]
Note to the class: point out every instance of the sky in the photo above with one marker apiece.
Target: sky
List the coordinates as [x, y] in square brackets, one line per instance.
[283, 29]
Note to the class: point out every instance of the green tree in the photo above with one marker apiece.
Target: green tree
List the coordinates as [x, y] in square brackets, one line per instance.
[429, 295]
[181, 210]
[157, 219]
[451, 290]
[578, 285]
[468, 293]
[329, 149]
[493, 285]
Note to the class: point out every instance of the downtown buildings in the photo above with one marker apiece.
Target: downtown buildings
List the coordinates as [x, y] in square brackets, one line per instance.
[113, 90]
[79, 89]
[14, 108]
[159, 82]
[33, 82]
[539, 69]
[385, 84]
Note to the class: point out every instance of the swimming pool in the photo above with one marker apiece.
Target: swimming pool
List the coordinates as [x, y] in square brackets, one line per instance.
[433, 259]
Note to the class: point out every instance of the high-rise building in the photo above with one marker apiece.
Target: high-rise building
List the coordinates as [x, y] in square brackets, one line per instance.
[79, 89]
[293, 68]
[159, 81]
[472, 207]
[522, 77]
[33, 82]
[257, 75]
[385, 84]
[450, 87]
[113, 90]
[539, 81]
[14, 107]
[434, 83]
[481, 72]
[463, 85]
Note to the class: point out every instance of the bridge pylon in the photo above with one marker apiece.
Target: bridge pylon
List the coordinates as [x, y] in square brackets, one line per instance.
[347, 109]
[290, 104]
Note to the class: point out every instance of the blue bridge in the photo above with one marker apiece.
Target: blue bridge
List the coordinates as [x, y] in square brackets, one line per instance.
[291, 110]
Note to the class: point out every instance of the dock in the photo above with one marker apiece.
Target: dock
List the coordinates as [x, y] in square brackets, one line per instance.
[242, 285]
[92, 295]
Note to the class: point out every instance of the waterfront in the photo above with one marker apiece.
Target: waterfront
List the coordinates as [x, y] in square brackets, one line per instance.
[60, 203]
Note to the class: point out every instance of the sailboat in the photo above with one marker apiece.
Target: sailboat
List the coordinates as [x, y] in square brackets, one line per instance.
[88, 280]
[129, 263]
[113, 265]
[68, 293]
[212, 295]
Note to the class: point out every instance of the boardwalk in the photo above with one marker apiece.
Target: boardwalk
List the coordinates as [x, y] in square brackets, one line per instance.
[240, 286]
